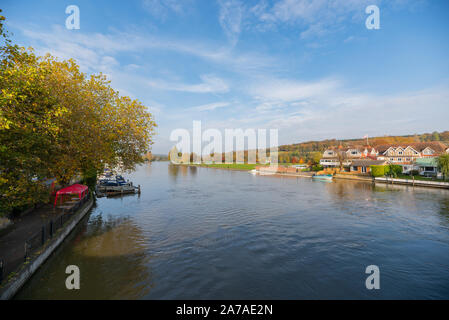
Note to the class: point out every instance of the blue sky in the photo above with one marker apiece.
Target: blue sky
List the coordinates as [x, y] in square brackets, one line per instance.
[310, 69]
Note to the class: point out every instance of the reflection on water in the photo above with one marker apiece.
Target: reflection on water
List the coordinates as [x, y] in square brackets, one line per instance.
[111, 238]
[198, 233]
[110, 253]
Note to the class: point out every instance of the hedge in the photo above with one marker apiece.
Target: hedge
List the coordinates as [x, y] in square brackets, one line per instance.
[393, 170]
[378, 171]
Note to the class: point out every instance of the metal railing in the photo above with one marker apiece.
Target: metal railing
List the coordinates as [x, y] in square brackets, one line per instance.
[38, 239]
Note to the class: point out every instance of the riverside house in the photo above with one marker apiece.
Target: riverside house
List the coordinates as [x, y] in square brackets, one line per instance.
[407, 155]
[332, 157]
[427, 167]
[358, 159]
[361, 166]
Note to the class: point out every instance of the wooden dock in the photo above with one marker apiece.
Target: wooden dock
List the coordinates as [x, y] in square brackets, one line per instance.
[414, 182]
[110, 191]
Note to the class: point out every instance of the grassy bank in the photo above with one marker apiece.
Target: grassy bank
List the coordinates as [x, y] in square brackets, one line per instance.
[230, 166]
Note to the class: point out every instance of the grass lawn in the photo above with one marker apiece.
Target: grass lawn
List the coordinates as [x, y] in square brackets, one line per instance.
[231, 166]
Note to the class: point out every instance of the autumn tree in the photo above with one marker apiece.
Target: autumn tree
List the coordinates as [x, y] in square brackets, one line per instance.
[57, 122]
[341, 157]
[315, 157]
[28, 118]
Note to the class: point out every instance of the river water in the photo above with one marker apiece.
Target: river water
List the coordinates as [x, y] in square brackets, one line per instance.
[199, 233]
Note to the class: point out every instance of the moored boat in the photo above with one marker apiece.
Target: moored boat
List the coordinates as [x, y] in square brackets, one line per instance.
[115, 185]
[327, 177]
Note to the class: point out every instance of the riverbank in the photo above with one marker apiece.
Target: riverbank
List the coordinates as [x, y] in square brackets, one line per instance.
[230, 166]
[358, 177]
[31, 241]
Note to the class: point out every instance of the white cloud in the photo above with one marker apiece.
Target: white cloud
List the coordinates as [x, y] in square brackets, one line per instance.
[328, 109]
[209, 84]
[87, 48]
[314, 30]
[230, 19]
[210, 106]
[161, 8]
[318, 18]
[292, 90]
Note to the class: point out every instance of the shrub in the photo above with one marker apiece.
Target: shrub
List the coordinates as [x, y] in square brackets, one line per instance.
[378, 171]
[317, 167]
[393, 170]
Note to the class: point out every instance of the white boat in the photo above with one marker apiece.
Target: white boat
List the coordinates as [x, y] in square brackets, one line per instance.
[327, 177]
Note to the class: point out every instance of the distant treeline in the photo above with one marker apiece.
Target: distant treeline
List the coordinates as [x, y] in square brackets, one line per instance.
[321, 146]
[306, 152]
[155, 157]
[310, 152]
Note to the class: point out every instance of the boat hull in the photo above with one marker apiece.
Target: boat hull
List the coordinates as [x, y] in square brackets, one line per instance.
[323, 177]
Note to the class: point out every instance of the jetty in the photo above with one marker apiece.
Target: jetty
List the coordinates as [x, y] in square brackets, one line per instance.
[413, 182]
[110, 185]
[110, 191]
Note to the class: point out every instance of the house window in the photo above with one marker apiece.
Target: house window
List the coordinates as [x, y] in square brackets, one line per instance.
[400, 152]
[399, 159]
[354, 168]
[363, 169]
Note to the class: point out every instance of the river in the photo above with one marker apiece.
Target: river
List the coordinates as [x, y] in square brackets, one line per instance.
[199, 233]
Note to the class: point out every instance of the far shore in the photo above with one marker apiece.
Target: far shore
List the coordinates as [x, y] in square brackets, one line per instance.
[225, 166]
[308, 174]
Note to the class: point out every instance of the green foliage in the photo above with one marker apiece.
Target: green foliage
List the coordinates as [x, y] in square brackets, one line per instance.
[317, 167]
[378, 171]
[56, 122]
[443, 165]
[90, 177]
[315, 157]
[393, 170]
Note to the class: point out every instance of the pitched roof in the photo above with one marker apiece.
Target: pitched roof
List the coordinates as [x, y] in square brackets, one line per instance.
[418, 146]
[426, 162]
